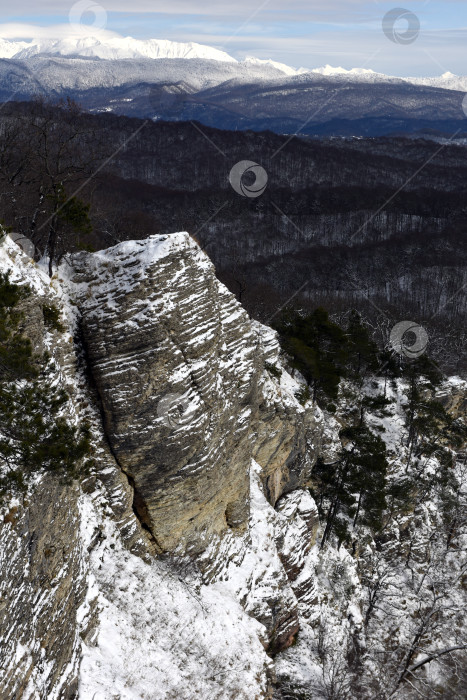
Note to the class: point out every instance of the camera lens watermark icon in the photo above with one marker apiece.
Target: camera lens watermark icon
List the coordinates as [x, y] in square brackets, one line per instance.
[464, 104]
[248, 179]
[24, 243]
[79, 12]
[409, 339]
[173, 409]
[397, 34]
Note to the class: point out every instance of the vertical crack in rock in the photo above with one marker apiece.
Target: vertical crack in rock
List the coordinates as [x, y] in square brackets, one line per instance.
[161, 332]
[138, 505]
[178, 367]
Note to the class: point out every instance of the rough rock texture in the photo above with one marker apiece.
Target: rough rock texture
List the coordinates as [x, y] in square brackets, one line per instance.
[454, 399]
[179, 368]
[294, 541]
[253, 568]
[288, 436]
[173, 378]
[42, 578]
[42, 585]
[43, 565]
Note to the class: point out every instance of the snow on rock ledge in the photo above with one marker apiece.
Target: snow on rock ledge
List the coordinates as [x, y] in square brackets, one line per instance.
[91, 610]
[179, 368]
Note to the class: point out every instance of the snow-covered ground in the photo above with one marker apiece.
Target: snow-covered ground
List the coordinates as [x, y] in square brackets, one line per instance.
[154, 628]
[160, 633]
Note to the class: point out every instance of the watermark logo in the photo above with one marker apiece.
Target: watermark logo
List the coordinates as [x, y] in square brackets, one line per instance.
[24, 243]
[173, 408]
[409, 339]
[84, 10]
[464, 104]
[248, 179]
[398, 34]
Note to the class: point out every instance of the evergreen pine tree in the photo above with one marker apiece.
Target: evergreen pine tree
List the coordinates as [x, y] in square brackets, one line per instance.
[35, 437]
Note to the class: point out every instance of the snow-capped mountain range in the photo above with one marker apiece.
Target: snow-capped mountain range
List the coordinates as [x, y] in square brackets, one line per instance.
[172, 81]
[110, 48]
[113, 48]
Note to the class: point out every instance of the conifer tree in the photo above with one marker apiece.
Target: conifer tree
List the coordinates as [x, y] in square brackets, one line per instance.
[35, 437]
[352, 489]
[317, 347]
[362, 351]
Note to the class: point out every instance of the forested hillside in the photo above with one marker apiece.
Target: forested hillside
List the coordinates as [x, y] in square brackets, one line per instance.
[376, 224]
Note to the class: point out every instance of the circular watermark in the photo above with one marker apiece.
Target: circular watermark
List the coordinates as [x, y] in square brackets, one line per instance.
[409, 339]
[401, 34]
[80, 12]
[172, 408]
[464, 104]
[248, 178]
[24, 243]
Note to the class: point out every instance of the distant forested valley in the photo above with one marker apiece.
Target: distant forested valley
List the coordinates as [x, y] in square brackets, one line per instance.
[377, 224]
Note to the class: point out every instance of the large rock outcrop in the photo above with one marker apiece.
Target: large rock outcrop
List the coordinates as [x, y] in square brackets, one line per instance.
[44, 570]
[183, 394]
[180, 372]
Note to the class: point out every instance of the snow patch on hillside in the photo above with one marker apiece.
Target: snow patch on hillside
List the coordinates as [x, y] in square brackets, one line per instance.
[22, 269]
[159, 635]
[164, 634]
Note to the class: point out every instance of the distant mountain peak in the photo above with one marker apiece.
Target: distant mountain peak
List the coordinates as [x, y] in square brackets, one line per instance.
[111, 48]
[134, 56]
[282, 67]
[331, 70]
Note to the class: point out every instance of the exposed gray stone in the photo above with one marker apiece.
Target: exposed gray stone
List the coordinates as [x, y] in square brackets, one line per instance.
[179, 367]
[42, 585]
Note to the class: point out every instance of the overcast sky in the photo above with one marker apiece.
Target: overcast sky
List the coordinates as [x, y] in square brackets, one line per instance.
[304, 33]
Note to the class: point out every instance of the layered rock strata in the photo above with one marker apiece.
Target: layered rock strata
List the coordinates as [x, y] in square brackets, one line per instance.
[180, 372]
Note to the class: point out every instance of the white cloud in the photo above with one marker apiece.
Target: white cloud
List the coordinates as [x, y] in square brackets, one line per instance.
[358, 46]
[312, 10]
[57, 31]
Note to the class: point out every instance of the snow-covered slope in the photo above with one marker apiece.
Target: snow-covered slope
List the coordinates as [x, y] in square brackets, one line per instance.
[107, 46]
[10, 49]
[282, 67]
[111, 48]
[331, 70]
[447, 81]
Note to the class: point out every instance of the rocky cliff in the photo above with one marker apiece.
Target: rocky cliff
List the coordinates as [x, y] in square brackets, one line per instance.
[202, 457]
[187, 563]
[186, 401]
